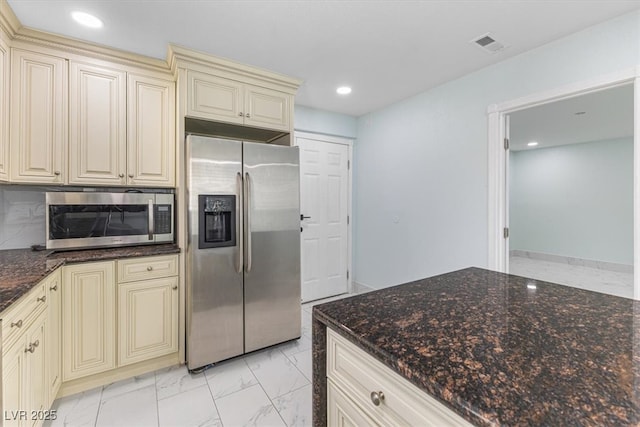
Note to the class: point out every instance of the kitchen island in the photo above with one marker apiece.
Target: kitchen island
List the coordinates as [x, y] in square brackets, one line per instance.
[490, 348]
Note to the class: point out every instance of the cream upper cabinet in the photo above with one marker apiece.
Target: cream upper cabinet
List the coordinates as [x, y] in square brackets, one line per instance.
[214, 98]
[88, 320]
[4, 109]
[221, 99]
[122, 127]
[97, 125]
[267, 108]
[151, 131]
[148, 308]
[38, 128]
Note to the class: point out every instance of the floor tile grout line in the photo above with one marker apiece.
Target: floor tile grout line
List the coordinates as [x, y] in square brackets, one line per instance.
[155, 388]
[215, 405]
[95, 424]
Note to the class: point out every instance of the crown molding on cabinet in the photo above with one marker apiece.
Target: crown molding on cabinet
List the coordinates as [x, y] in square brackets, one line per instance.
[12, 26]
[9, 22]
[181, 57]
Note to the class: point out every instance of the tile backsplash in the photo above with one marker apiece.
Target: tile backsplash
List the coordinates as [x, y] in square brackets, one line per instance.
[22, 216]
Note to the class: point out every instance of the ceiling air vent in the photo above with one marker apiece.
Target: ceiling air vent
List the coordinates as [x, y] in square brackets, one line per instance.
[487, 43]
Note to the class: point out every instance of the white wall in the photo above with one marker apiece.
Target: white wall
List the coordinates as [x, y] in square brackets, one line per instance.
[574, 200]
[420, 175]
[325, 122]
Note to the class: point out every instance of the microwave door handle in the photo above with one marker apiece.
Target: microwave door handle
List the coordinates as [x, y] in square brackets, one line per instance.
[151, 230]
[239, 237]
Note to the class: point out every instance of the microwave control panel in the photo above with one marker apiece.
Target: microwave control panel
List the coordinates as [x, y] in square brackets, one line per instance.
[162, 219]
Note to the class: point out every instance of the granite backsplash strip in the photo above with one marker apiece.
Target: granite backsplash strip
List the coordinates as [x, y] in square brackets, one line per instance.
[22, 269]
[501, 349]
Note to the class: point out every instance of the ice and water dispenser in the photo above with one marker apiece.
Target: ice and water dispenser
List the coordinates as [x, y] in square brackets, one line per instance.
[217, 222]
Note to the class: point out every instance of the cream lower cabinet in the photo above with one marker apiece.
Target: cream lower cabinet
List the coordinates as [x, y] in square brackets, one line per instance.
[88, 320]
[147, 307]
[363, 391]
[53, 289]
[27, 352]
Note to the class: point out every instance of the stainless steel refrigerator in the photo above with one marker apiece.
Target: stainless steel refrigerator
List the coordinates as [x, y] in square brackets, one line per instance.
[243, 252]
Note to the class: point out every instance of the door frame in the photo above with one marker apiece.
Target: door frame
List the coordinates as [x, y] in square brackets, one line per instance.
[498, 256]
[320, 137]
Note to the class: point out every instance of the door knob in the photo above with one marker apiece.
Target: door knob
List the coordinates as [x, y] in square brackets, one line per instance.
[304, 217]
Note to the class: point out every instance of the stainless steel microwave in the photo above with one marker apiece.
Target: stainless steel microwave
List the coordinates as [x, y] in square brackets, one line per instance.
[94, 219]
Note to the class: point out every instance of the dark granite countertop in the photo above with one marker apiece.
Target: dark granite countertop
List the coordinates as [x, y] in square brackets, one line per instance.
[22, 269]
[499, 349]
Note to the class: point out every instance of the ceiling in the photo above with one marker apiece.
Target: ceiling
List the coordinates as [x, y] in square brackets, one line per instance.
[385, 50]
[607, 114]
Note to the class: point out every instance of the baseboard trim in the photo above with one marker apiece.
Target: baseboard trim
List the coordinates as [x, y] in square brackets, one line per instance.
[360, 288]
[601, 265]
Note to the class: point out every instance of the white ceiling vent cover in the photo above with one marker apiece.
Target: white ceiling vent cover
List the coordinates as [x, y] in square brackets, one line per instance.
[487, 43]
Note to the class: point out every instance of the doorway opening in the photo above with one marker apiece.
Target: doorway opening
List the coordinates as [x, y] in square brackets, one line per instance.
[540, 196]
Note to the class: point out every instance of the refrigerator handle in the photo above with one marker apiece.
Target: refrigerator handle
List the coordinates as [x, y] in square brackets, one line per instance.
[238, 219]
[247, 229]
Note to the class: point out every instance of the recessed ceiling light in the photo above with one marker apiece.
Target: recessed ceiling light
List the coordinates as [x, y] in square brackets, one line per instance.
[86, 19]
[532, 144]
[343, 90]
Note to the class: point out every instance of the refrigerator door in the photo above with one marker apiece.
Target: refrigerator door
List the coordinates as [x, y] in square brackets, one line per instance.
[272, 244]
[214, 275]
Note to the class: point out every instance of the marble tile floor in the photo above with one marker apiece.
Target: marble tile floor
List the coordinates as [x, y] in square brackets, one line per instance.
[271, 387]
[593, 279]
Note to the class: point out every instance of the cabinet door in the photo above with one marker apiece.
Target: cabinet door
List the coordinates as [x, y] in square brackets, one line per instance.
[151, 131]
[342, 411]
[38, 117]
[88, 321]
[14, 385]
[4, 109]
[148, 320]
[37, 381]
[267, 108]
[97, 125]
[54, 335]
[214, 98]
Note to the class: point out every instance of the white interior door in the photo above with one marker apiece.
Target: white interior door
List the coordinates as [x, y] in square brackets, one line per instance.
[324, 202]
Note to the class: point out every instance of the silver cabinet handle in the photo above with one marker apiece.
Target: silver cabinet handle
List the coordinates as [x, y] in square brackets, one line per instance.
[240, 114]
[247, 230]
[32, 347]
[151, 230]
[17, 324]
[54, 288]
[175, 288]
[149, 268]
[247, 115]
[377, 397]
[42, 298]
[57, 173]
[131, 175]
[121, 175]
[239, 237]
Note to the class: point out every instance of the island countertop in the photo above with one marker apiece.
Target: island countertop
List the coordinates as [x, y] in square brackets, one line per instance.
[22, 269]
[497, 349]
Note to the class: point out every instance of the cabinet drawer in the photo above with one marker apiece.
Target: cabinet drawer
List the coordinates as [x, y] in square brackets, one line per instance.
[358, 374]
[133, 269]
[20, 315]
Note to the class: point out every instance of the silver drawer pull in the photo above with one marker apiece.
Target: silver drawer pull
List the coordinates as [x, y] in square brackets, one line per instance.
[54, 288]
[32, 347]
[175, 288]
[377, 397]
[42, 298]
[17, 324]
[149, 268]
